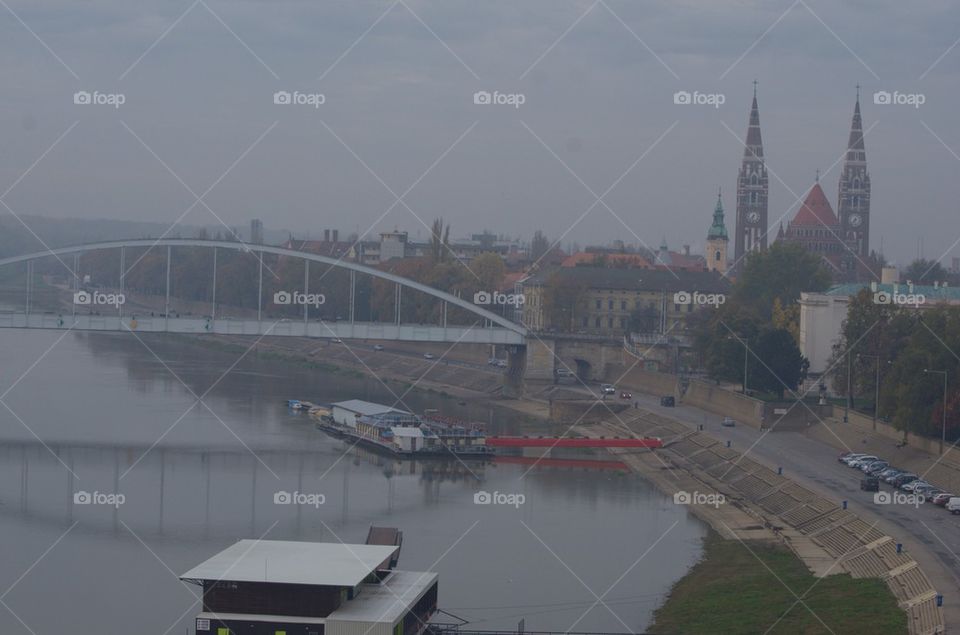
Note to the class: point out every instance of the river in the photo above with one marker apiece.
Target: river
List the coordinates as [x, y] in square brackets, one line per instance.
[198, 444]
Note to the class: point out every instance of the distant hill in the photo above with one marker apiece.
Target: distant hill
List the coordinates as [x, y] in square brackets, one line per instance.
[16, 239]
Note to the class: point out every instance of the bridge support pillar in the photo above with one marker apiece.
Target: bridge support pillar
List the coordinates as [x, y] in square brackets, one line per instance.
[513, 378]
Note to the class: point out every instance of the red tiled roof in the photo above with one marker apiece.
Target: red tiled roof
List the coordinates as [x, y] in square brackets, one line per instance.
[815, 210]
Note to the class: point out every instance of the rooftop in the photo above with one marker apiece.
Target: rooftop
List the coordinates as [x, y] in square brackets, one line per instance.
[366, 407]
[291, 562]
[386, 601]
[931, 293]
[638, 279]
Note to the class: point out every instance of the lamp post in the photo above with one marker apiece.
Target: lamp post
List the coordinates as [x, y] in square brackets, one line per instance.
[943, 430]
[876, 393]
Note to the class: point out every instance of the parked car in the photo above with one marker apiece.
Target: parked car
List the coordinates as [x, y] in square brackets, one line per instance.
[876, 468]
[378, 347]
[903, 479]
[668, 401]
[492, 361]
[889, 473]
[625, 395]
[910, 485]
[930, 494]
[873, 465]
[870, 484]
[846, 456]
[428, 355]
[953, 505]
[337, 340]
[942, 498]
[890, 478]
[850, 458]
[862, 461]
[608, 389]
[728, 422]
[563, 372]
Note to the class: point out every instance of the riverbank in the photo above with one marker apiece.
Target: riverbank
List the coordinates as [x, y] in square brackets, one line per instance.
[726, 592]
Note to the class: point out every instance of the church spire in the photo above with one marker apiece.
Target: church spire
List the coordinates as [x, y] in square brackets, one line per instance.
[718, 229]
[854, 190]
[752, 190]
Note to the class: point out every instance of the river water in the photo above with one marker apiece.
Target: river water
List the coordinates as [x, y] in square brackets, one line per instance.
[199, 443]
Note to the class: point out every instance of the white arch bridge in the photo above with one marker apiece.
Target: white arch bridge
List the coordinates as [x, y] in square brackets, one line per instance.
[490, 328]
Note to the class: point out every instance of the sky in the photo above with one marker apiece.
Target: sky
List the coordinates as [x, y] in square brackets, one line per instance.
[588, 144]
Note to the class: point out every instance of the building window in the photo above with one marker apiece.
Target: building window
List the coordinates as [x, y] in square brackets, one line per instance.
[599, 303]
[610, 305]
[623, 305]
[596, 323]
[609, 323]
[584, 322]
[623, 323]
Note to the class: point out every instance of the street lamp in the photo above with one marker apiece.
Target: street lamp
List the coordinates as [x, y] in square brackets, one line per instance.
[876, 394]
[943, 430]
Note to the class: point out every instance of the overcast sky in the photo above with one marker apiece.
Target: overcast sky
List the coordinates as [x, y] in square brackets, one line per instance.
[398, 79]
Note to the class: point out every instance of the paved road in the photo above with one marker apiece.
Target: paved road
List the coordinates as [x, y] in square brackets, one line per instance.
[929, 533]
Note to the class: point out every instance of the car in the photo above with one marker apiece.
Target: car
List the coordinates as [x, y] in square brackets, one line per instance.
[922, 488]
[873, 465]
[931, 493]
[608, 389]
[851, 456]
[428, 355]
[846, 455]
[870, 484]
[856, 463]
[668, 401]
[941, 499]
[728, 422]
[378, 347]
[563, 372]
[903, 479]
[337, 340]
[501, 363]
[876, 468]
[910, 485]
[953, 505]
[892, 475]
[625, 395]
[492, 361]
[889, 472]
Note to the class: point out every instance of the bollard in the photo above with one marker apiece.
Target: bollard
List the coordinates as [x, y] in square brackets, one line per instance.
[728, 444]
[701, 427]
[899, 547]
[780, 471]
[939, 599]
[844, 504]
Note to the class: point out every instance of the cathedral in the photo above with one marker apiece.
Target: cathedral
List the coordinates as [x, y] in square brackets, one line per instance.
[841, 238]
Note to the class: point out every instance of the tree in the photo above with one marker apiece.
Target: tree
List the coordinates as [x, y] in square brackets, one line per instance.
[781, 273]
[776, 364]
[924, 272]
[561, 301]
[539, 246]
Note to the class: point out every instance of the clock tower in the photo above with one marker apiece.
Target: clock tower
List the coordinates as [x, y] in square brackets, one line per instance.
[854, 197]
[753, 190]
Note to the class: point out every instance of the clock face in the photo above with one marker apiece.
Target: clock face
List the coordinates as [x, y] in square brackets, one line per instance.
[855, 220]
[753, 217]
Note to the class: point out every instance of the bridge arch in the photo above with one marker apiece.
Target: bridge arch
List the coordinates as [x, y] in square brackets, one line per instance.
[505, 332]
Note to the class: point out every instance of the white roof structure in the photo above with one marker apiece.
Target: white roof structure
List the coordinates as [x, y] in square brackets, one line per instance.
[291, 562]
[385, 602]
[362, 407]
